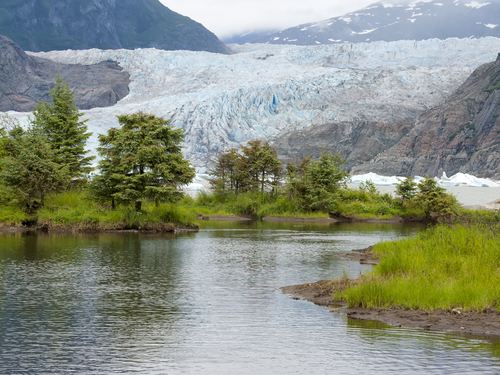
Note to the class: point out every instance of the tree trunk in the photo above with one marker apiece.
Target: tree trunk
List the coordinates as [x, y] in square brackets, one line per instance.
[138, 205]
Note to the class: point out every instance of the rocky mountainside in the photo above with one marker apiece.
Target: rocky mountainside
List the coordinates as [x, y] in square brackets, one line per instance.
[399, 20]
[24, 80]
[355, 141]
[46, 25]
[460, 135]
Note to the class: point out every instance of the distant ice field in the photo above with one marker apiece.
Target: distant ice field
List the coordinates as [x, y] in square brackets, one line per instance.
[263, 91]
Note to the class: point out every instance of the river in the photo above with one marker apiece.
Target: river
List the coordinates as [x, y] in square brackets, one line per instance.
[204, 303]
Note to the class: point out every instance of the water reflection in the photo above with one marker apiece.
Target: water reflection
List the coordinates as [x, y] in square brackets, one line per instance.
[202, 302]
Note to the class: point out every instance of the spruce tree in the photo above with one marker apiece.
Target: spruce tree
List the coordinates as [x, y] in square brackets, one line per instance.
[28, 167]
[59, 122]
[142, 161]
[406, 189]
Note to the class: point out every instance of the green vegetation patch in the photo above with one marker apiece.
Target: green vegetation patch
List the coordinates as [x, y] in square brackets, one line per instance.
[442, 268]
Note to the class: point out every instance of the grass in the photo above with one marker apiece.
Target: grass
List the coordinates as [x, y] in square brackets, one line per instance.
[253, 204]
[353, 204]
[441, 268]
[74, 209]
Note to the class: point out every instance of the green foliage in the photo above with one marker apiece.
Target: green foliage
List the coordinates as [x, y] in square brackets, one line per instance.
[254, 168]
[406, 189]
[66, 135]
[141, 161]
[316, 184]
[367, 202]
[434, 200]
[78, 210]
[7, 124]
[29, 169]
[441, 268]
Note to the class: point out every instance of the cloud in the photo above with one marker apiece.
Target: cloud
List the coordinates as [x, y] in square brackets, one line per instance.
[226, 18]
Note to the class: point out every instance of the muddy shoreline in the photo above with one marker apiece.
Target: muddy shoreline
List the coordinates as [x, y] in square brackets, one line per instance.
[484, 324]
[82, 228]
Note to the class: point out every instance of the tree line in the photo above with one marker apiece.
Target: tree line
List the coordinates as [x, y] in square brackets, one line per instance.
[313, 184]
[316, 185]
[140, 161]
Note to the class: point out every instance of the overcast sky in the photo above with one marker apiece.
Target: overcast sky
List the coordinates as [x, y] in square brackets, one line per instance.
[232, 17]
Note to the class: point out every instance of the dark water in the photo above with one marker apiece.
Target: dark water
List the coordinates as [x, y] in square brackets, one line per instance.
[205, 303]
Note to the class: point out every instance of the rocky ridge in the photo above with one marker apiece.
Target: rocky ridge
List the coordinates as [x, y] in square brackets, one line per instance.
[460, 135]
[24, 80]
[398, 20]
[355, 141]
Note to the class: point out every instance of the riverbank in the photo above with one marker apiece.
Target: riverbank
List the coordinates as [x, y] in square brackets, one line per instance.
[74, 211]
[485, 323]
[444, 279]
[48, 226]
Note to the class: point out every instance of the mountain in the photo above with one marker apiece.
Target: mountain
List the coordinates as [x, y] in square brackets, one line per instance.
[460, 135]
[46, 25]
[355, 141]
[390, 21]
[24, 80]
[263, 91]
[248, 37]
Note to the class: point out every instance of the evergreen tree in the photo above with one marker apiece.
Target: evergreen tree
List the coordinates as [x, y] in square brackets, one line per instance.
[60, 123]
[7, 124]
[254, 168]
[436, 203]
[224, 173]
[141, 161]
[28, 167]
[406, 189]
[316, 184]
[262, 164]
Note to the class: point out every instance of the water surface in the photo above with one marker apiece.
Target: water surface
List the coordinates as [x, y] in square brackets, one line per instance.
[206, 303]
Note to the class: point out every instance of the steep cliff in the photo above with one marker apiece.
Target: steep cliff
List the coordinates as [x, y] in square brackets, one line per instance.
[460, 135]
[355, 141]
[24, 80]
[46, 25]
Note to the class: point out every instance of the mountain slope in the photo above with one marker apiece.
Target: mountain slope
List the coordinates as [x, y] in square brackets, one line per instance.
[417, 20]
[46, 25]
[355, 141]
[24, 80]
[461, 135]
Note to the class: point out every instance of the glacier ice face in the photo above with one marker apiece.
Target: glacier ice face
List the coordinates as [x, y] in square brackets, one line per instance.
[264, 90]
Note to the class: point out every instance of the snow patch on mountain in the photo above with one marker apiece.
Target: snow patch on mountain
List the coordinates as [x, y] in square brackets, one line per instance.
[265, 90]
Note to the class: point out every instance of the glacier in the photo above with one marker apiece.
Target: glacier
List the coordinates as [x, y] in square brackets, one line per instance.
[262, 91]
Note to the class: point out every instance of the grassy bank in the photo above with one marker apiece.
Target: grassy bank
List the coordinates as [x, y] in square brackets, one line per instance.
[441, 268]
[74, 209]
[355, 204]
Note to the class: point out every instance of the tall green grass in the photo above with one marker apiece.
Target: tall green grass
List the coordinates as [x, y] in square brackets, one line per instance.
[441, 268]
[76, 208]
[254, 204]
